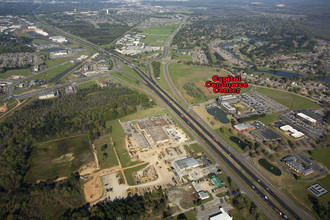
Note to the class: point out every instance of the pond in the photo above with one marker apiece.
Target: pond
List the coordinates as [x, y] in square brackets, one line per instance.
[219, 114]
[52, 50]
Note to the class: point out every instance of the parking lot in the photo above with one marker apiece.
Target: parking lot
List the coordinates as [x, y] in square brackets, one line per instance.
[314, 132]
[261, 103]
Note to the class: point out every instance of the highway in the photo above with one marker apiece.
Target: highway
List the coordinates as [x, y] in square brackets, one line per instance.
[232, 160]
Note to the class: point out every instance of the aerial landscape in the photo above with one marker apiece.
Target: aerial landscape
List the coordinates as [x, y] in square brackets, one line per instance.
[174, 109]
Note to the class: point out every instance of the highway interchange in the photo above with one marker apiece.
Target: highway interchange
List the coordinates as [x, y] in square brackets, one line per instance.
[259, 185]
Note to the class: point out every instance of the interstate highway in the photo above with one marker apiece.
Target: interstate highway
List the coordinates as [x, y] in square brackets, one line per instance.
[201, 131]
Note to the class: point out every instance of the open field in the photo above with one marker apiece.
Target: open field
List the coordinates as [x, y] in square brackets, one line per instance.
[105, 161]
[118, 141]
[50, 74]
[157, 35]
[181, 74]
[129, 173]
[86, 84]
[163, 83]
[289, 100]
[322, 156]
[19, 72]
[59, 158]
[57, 61]
[141, 113]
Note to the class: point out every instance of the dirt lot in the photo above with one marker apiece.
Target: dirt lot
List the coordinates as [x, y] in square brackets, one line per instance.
[93, 190]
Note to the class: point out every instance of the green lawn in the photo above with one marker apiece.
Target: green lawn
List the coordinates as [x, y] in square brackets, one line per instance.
[118, 139]
[59, 158]
[50, 74]
[111, 159]
[141, 113]
[86, 84]
[322, 156]
[267, 119]
[19, 72]
[289, 100]
[129, 173]
[157, 35]
[226, 136]
[56, 61]
[270, 167]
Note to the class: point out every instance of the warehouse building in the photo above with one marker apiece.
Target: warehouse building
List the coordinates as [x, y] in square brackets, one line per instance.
[306, 119]
[187, 163]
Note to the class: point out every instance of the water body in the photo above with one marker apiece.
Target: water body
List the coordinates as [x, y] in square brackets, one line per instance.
[219, 114]
[52, 50]
[273, 72]
[63, 73]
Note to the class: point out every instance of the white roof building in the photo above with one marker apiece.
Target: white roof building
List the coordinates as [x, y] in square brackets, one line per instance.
[294, 132]
[222, 215]
[58, 39]
[307, 118]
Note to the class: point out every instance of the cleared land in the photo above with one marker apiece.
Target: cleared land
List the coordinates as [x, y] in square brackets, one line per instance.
[181, 74]
[57, 61]
[157, 35]
[110, 159]
[289, 100]
[59, 158]
[18, 72]
[118, 141]
[141, 113]
[86, 84]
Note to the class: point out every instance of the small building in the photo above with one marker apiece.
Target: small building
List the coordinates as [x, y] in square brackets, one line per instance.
[215, 180]
[222, 215]
[228, 107]
[203, 195]
[187, 163]
[243, 127]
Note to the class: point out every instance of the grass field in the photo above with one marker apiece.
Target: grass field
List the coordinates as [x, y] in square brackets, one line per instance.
[163, 83]
[157, 35]
[141, 113]
[182, 73]
[86, 84]
[111, 159]
[289, 100]
[19, 72]
[129, 173]
[50, 74]
[118, 139]
[322, 156]
[56, 61]
[267, 119]
[59, 158]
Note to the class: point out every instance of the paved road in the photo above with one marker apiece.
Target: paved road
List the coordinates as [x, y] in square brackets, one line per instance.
[203, 133]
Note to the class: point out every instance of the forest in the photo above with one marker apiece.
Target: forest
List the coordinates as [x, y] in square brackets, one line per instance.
[84, 112]
[151, 205]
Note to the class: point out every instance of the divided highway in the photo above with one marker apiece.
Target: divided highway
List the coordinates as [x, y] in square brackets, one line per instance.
[240, 168]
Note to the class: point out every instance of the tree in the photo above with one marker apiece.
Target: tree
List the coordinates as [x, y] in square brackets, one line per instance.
[103, 147]
[229, 180]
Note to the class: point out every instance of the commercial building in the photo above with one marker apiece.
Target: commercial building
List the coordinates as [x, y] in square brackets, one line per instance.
[152, 128]
[291, 161]
[49, 95]
[203, 195]
[215, 180]
[294, 133]
[228, 107]
[58, 39]
[187, 163]
[306, 119]
[222, 215]
[243, 127]
[228, 98]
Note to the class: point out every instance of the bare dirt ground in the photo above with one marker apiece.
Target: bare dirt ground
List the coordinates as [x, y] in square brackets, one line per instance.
[93, 190]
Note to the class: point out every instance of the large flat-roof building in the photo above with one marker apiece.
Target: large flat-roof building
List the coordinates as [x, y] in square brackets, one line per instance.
[228, 98]
[306, 119]
[187, 163]
[243, 127]
[222, 215]
[293, 132]
[228, 107]
[152, 128]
